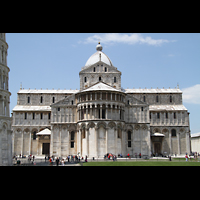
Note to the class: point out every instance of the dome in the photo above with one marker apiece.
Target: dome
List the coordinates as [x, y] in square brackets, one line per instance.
[98, 56]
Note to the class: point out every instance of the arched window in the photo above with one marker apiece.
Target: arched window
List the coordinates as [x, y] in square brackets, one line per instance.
[157, 99]
[173, 133]
[99, 78]
[85, 79]
[94, 69]
[28, 99]
[72, 139]
[170, 99]
[129, 138]
[53, 100]
[105, 69]
[34, 135]
[115, 80]
[41, 99]
[144, 98]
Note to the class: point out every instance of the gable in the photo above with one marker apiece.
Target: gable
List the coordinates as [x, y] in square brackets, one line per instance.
[101, 86]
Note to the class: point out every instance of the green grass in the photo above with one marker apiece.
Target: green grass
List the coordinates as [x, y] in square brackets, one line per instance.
[143, 163]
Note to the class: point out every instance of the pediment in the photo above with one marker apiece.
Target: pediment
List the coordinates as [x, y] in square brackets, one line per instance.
[101, 86]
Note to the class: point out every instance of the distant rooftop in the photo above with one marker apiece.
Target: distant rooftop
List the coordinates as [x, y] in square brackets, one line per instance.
[176, 90]
[22, 91]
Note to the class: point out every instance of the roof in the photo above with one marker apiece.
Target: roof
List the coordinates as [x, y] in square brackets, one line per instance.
[153, 90]
[46, 131]
[98, 56]
[158, 135]
[101, 86]
[31, 108]
[195, 135]
[166, 107]
[47, 91]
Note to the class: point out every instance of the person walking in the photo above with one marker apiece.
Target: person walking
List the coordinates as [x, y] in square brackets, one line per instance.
[57, 161]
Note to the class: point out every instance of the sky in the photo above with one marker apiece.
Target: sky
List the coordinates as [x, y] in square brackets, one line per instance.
[54, 60]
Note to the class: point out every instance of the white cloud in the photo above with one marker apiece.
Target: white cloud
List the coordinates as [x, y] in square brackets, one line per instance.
[132, 38]
[192, 94]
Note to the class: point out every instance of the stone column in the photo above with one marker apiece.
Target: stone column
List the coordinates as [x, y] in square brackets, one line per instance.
[170, 142]
[101, 111]
[187, 142]
[116, 136]
[87, 142]
[68, 135]
[106, 111]
[59, 149]
[86, 111]
[178, 140]
[79, 141]
[96, 140]
[90, 111]
[22, 142]
[106, 140]
[95, 111]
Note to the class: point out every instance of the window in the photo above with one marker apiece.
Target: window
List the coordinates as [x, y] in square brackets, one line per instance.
[85, 79]
[41, 115]
[99, 78]
[105, 69]
[25, 115]
[166, 115]
[49, 115]
[173, 133]
[129, 138]
[158, 115]
[156, 98]
[34, 135]
[58, 108]
[144, 98]
[28, 99]
[128, 102]
[53, 100]
[174, 115]
[33, 115]
[142, 109]
[72, 102]
[41, 99]
[72, 139]
[170, 99]
[115, 80]
[94, 69]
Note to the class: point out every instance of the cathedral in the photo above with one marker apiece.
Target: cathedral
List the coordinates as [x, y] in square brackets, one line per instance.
[100, 118]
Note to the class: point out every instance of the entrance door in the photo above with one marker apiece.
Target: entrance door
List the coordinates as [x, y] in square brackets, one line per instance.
[157, 148]
[45, 148]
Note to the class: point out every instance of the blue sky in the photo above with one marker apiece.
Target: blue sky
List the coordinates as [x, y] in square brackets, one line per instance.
[53, 60]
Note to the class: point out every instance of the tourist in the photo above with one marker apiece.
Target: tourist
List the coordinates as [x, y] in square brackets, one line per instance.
[63, 163]
[186, 157]
[57, 161]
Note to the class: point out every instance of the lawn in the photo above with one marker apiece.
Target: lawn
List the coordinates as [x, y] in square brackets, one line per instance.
[143, 163]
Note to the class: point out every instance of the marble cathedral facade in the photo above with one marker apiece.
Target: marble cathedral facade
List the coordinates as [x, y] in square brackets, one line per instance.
[101, 117]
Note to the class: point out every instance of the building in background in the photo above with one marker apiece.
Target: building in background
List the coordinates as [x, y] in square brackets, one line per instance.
[101, 117]
[5, 119]
[195, 142]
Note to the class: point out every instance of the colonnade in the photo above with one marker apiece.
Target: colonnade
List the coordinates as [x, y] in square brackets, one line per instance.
[92, 111]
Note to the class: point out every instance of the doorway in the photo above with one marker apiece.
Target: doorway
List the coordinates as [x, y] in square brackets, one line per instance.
[46, 148]
[157, 148]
